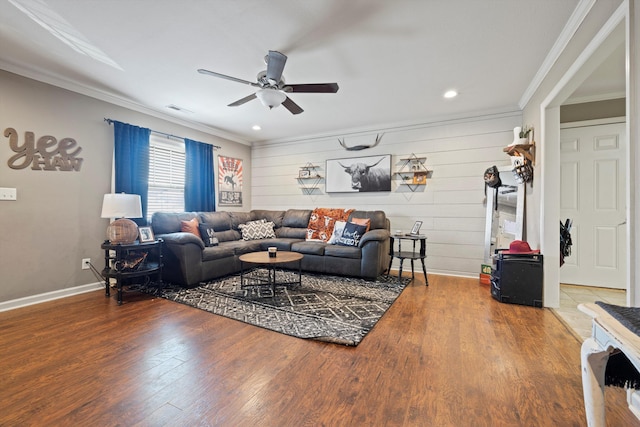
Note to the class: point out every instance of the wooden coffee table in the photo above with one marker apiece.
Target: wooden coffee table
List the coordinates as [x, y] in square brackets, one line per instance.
[263, 258]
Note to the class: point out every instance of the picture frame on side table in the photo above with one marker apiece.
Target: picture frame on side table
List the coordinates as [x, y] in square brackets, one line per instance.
[146, 234]
[416, 228]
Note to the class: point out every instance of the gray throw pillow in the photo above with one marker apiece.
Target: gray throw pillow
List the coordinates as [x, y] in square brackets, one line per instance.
[208, 235]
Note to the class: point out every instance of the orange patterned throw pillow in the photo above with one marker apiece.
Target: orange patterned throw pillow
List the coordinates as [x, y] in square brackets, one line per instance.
[322, 220]
[190, 226]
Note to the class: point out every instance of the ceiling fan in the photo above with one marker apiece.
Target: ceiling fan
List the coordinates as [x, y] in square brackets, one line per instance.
[273, 89]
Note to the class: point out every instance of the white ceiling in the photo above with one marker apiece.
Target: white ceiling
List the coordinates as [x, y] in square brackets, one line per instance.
[393, 60]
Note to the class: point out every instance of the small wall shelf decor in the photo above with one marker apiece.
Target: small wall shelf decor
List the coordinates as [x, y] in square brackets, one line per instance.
[412, 172]
[523, 150]
[309, 178]
[523, 144]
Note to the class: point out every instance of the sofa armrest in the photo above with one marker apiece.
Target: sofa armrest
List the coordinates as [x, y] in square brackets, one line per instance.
[375, 252]
[378, 235]
[182, 238]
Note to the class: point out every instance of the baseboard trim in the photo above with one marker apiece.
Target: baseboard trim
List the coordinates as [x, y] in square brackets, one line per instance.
[49, 296]
[418, 271]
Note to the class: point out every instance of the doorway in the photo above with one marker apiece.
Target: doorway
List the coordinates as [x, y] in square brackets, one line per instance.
[610, 37]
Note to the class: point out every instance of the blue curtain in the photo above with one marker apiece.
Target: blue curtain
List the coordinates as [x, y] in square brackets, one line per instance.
[199, 189]
[131, 152]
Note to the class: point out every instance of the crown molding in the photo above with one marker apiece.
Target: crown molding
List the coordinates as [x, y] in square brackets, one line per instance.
[570, 28]
[57, 81]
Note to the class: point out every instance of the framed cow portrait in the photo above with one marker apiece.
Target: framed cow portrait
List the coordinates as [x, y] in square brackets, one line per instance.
[359, 174]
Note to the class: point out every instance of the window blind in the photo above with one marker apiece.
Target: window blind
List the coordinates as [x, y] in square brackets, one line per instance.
[166, 176]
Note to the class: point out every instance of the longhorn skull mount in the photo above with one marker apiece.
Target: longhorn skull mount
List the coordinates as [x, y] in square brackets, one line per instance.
[360, 147]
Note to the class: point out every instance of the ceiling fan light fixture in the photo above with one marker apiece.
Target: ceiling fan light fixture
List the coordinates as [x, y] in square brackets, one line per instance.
[271, 97]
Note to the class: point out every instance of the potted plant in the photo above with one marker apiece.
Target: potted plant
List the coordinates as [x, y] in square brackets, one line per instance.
[521, 135]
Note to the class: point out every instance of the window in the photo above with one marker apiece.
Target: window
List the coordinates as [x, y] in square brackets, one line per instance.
[166, 176]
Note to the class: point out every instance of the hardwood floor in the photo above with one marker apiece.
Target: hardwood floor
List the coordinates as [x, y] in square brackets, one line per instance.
[443, 355]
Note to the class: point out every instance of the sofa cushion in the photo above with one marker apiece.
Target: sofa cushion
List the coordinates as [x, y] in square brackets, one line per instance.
[220, 221]
[296, 218]
[351, 234]
[338, 251]
[291, 233]
[273, 216]
[255, 230]
[228, 235]
[216, 252]
[240, 247]
[169, 222]
[238, 218]
[309, 248]
[283, 244]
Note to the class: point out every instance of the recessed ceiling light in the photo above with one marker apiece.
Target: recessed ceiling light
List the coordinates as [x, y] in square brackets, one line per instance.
[256, 127]
[450, 94]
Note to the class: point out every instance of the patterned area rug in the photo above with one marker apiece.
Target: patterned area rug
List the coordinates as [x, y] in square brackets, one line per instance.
[325, 308]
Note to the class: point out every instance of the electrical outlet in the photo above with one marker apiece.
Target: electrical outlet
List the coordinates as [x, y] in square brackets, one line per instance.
[86, 263]
[8, 193]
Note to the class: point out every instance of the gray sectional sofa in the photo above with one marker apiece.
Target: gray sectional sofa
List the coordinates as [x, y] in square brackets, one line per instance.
[188, 261]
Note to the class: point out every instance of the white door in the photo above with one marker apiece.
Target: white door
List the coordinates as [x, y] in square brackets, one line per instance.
[592, 194]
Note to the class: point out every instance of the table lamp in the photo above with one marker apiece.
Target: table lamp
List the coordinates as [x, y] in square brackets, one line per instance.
[122, 206]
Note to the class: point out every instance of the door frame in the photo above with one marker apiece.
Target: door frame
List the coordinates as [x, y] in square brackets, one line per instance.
[609, 36]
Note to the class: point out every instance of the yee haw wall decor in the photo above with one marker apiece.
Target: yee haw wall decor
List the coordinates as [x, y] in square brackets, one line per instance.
[46, 154]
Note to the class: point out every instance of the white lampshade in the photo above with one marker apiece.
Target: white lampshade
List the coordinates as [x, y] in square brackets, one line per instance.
[121, 205]
[271, 97]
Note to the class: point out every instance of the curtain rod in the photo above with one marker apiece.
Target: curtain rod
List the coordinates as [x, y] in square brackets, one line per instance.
[168, 135]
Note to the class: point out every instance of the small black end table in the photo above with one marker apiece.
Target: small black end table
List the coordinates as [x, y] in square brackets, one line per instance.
[411, 255]
[116, 254]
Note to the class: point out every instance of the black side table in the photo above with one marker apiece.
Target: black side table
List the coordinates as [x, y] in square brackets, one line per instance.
[115, 256]
[411, 255]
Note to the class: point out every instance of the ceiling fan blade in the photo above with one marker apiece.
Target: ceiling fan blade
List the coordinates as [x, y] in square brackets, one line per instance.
[224, 76]
[292, 106]
[243, 100]
[275, 66]
[312, 88]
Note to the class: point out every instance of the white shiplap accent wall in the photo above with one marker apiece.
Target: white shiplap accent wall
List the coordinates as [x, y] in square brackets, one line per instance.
[450, 205]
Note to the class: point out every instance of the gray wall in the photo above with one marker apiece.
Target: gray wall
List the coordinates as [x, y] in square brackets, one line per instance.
[56, 220]
[450, 205]
[593, 110]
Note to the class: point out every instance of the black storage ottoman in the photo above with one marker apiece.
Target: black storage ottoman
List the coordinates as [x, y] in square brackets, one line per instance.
[517, 279]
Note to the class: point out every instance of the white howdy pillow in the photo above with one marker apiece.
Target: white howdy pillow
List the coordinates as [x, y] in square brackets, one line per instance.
[338, 227]
[255, 230]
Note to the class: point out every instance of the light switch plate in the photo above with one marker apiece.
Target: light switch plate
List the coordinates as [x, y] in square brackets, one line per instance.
[8, 193]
